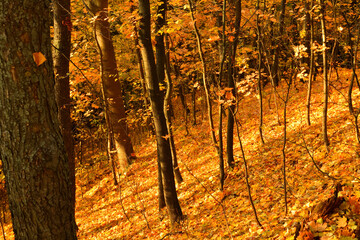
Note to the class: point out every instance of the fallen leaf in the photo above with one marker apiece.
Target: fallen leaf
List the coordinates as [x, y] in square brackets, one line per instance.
[39, 58]
[318, 226]
[342, 222]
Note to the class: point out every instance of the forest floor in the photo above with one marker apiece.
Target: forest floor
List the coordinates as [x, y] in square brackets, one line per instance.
[130, 210]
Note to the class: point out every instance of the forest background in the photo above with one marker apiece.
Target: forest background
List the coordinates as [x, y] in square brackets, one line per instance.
[260, 123]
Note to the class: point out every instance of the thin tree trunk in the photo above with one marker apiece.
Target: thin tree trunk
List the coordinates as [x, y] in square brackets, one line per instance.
[167, 104]
[220, 134]
[205, 83]
[61, 56]
[247, 174]
[193, 98]
[204, 76]
[157, 106]
[178, 176]
[353, 112]
[186, 109]
[307, 30]
[231, 84]
[284, 143]
[221, 154]
[312, 61]
[259, 74]
[275, 69]
[325, 74]
[159, 40]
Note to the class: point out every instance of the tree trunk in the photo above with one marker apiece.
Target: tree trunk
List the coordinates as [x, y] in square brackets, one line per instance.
[307, 30]
[222, 54]
[354, 112]
[193, 100]
[111, 83]
[325, 72]
[62, 43]
[231, 84]
[32, 149]
[183, 103]
[260, 84]
[149, 122]
[206, 87]
[160, 69]
[275, 68]
[167, 104]
[156, 101]
[283, 150]
[159, 40]
[161, 197]
[312, 62]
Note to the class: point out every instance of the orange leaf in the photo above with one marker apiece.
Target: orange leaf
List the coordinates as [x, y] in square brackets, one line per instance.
[39, 58]
[342, 222]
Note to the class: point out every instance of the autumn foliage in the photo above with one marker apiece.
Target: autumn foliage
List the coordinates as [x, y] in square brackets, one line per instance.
[322, 183]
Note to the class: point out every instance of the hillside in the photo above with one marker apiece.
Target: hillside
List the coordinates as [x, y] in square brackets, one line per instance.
[129, 211]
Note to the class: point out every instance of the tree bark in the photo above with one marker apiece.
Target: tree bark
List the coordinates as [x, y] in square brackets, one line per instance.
[157, 101]
[32, 149]
[61, 56]
[111, 83]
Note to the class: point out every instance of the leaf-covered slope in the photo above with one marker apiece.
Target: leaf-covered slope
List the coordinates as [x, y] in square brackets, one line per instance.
[130, 211]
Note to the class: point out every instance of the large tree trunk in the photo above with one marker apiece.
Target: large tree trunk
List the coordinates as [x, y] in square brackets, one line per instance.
[111, 83]
[156, 100]
[32, 150]
[62, 43]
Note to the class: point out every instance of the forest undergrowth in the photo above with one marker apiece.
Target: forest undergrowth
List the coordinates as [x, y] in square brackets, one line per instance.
[130, 210]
